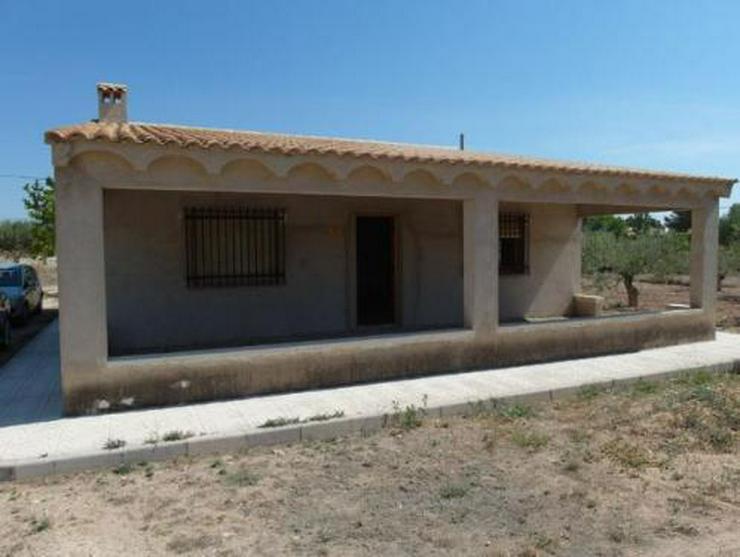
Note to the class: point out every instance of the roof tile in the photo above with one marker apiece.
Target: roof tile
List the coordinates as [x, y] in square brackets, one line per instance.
[161, 134]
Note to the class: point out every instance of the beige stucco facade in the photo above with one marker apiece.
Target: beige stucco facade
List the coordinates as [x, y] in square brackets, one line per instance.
[133, 334]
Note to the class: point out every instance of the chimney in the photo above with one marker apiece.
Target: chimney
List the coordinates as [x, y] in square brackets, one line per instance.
[112, 99]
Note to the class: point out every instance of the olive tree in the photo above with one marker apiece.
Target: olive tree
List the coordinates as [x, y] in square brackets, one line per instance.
[729, 262]
[605, 254]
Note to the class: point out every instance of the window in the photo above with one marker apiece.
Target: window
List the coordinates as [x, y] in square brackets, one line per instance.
[234, 246]
[513, 243]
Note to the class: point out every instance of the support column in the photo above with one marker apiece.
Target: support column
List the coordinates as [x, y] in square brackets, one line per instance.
[480, 256]
[704, 248]
[83, 333]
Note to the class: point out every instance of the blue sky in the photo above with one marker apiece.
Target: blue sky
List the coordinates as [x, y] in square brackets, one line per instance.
[650, 84]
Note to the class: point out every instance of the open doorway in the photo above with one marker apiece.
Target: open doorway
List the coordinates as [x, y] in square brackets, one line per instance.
[376, 271]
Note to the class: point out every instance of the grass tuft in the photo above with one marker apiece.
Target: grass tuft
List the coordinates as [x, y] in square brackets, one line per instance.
[454, 491]
[176, 435]
[240, 478]
[529, 439]
[39, 525]
[113, 444]
[516, 411]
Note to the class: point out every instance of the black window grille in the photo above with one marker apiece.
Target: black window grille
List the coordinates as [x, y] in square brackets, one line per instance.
[513, 243]
[234, 246]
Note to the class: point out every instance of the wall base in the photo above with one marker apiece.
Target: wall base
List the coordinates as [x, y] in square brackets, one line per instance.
[136, 382]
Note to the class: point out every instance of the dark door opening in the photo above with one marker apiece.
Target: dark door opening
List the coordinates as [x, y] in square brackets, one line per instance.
[376, 271]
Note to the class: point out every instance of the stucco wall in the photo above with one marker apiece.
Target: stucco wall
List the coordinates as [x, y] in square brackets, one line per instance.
[150, 308]
[554, 264]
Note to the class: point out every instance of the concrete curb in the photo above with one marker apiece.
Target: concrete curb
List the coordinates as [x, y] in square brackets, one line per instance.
[319, 431]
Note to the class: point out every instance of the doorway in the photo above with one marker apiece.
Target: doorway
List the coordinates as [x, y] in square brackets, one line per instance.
[376, 271]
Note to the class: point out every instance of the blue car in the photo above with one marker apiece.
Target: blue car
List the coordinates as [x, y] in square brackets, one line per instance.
[21, 285]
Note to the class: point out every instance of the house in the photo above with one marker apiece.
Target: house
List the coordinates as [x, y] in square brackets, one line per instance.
[198, 263]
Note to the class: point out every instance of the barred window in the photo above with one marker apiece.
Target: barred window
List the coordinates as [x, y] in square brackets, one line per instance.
[234, 246]
[513, 243]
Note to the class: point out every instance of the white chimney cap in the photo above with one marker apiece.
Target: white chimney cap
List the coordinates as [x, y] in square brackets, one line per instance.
[112, 100]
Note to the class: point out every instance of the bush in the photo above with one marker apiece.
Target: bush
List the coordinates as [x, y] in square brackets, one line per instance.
[16, 237]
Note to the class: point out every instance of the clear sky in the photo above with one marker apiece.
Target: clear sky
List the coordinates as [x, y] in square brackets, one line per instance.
[643, 83]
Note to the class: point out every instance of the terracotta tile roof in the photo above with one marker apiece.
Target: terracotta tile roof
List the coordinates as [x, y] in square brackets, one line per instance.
[165, 134]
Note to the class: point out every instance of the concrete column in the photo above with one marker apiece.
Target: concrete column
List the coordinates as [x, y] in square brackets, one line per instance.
[480, 256]
[81, 269]
[704, 247]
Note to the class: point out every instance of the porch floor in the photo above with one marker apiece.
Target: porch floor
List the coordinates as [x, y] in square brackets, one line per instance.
[68, 444]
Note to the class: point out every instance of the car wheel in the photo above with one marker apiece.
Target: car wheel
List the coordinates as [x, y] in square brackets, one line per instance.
[25, 314]
[5, 334]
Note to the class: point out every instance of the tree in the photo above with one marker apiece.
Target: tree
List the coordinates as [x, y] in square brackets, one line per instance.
[605, 223]
[729, 226]
[39, 202]
[641, 223]
[729, 262]
[15, 237]
[625, 257]
[678, 221]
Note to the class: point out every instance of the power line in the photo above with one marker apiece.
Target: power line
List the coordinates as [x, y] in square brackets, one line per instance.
[23, 176]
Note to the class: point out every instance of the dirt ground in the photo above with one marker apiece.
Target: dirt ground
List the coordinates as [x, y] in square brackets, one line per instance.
[657, 296]
[649, 470]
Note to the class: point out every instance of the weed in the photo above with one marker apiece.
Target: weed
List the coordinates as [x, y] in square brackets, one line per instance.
[626, 454]
[326, 416]
[152, 439]
[589, 392]
[40, 525]
[696, 379]
[483, 408]
[113, 444]
[643, 387]
[176, 435]
[543, 542]
[720, 439]
[454, 491]
[516, 411]
[282, 421]
[122, 469]
[279, 422]
[409, 417]
[529, 439]
[240, 478]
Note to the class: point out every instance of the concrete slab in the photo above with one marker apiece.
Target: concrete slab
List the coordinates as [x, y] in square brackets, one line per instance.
[71, 444]
[30, 384]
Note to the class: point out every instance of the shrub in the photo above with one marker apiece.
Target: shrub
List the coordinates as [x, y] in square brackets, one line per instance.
[16, 237]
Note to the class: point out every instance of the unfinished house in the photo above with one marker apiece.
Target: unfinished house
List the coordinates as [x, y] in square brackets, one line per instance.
[200, 263]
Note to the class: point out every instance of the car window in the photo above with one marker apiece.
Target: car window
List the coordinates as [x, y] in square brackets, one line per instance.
[10, 277]
[31, 276]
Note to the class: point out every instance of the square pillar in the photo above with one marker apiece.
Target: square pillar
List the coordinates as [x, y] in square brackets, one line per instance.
[704, 248]
[480, 257]
[83, 334]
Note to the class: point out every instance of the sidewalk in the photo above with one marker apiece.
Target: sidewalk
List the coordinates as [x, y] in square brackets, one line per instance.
[30, 387]
[73, 444]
